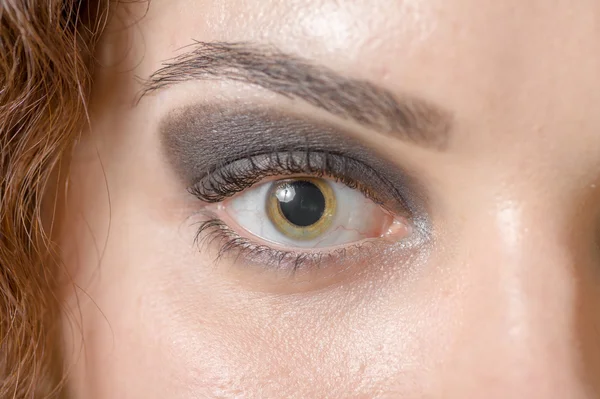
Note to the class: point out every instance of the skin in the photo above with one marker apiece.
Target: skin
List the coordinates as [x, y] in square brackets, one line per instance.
[501, 304]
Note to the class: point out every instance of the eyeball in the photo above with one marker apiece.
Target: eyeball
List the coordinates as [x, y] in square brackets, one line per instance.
[306, 212]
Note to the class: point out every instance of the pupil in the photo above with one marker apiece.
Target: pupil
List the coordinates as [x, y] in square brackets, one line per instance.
[301, 202]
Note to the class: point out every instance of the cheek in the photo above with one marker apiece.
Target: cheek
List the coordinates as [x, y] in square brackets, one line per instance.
[346, 342]
[157, 319]
[132, 335]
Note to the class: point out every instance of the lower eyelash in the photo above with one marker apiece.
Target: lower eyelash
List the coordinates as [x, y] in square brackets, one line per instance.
[215, 232]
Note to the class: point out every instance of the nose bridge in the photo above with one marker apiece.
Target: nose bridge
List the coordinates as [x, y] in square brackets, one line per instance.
[522, 298]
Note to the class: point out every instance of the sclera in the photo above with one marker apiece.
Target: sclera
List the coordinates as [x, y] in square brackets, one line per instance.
[356, 217]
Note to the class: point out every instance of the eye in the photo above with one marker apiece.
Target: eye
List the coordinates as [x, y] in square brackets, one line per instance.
[306, 212]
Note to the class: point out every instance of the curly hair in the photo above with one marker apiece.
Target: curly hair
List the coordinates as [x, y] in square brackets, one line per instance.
[46, 59]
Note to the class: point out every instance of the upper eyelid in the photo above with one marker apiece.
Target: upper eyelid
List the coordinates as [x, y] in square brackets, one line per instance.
[199, 138]
[203, 137]
[233, 178]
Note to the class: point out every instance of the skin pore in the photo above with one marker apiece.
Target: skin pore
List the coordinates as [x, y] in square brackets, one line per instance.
[490, 291]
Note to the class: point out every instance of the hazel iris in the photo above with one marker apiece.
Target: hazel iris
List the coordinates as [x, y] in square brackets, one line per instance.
[301, 208]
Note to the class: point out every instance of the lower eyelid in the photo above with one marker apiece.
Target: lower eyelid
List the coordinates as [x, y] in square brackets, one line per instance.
[259, 268]
[215, 232]
[229, 226]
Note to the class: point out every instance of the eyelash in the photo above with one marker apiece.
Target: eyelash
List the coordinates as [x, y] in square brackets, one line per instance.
[230, 243]
[236, 176]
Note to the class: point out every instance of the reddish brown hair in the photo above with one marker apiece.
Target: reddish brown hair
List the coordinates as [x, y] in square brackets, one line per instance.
[46, 49]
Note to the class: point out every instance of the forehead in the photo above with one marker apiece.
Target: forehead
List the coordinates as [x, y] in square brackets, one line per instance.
[511, 71]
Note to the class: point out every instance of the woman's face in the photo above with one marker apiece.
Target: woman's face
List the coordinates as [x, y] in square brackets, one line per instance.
[338, 199]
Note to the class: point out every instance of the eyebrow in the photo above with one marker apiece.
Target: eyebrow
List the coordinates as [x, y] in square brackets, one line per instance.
[404, 117]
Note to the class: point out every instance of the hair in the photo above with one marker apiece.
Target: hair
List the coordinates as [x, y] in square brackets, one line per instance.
[46, 59]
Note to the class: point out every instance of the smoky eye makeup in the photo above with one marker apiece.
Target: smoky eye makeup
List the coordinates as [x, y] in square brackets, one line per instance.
[240, 157]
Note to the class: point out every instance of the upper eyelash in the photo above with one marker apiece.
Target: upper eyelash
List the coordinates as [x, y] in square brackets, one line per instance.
[238, 175]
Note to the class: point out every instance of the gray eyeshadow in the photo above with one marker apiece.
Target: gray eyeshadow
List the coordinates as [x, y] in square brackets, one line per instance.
[200, 139]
